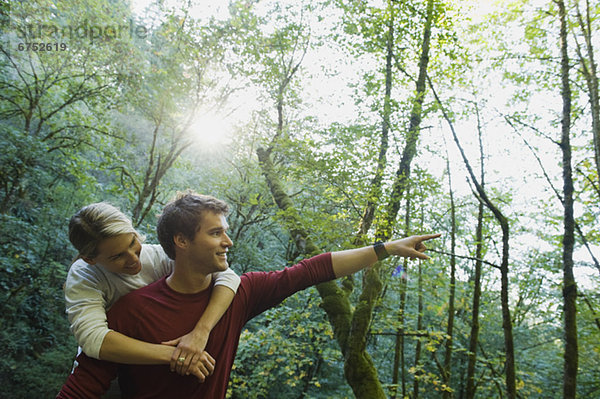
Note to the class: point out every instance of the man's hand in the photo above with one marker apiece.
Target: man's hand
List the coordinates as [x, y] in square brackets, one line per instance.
[189, 353]
[410, 247]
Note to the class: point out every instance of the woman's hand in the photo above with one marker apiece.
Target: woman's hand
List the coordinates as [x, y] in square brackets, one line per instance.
[189, 356]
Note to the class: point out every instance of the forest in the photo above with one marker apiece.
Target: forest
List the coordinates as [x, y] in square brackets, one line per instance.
[325, 125]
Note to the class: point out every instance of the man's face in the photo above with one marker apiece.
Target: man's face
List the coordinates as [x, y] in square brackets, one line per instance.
[119, 254]
[208, 250]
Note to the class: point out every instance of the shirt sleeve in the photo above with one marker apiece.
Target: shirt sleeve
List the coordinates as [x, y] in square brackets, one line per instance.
[228, 278]
[264, 290]
[86, 309]
[90, 379]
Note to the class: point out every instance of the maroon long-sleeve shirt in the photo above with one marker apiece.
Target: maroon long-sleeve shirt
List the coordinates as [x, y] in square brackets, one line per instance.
[156, 313]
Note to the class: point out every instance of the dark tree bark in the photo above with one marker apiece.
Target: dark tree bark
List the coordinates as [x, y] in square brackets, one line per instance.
[374, 195]
[474, 337]
[578, 229]
[399, 359]
[415, 394]
[590, 73]
[402, 178]
[569, 285]
[447, 366]
[160, 160]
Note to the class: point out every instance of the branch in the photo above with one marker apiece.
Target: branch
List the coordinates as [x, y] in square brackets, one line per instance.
[464, 257]
[538, 131]
[557, 193]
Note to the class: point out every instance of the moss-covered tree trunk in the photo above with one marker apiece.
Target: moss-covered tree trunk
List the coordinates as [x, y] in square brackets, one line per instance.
[569, 285]
[409, 151]
[351, 327]
[358, 366]
[372, 285]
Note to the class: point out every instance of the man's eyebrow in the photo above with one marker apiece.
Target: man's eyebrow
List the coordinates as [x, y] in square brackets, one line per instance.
[219, 228]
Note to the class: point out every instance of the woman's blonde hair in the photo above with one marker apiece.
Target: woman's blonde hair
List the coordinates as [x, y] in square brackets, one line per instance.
[95, 222]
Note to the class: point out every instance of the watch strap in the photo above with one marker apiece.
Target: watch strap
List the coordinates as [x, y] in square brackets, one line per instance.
[380, 250]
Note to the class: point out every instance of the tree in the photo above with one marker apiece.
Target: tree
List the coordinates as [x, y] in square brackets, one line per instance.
[585, 54]
[162, 110]
[352, 328]
[56, 81]
[50, 98]
[474, 335]
[569, 285]
[447, 365]
[503, 221]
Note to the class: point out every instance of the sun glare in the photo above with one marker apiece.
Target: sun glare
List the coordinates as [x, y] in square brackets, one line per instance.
[210, 131]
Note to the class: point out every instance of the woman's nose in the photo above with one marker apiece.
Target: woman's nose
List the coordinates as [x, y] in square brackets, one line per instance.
[133, 257]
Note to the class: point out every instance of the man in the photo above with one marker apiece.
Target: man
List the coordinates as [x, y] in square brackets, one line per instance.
[193, 231]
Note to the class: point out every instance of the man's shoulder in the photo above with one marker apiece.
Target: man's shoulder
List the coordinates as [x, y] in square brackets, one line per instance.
[141, 295]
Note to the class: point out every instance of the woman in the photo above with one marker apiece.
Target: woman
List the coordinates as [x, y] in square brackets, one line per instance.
[113, 261]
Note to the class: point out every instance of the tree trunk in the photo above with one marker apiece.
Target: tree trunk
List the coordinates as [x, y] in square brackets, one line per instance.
[360, 371]
[447, 368]
[569, 285]
[589, 69]
[410, 148]
[351, 328]
[399, 361]
[158, 165]
[374, 195]
[474, 338]
[371, 282]
[419, 328]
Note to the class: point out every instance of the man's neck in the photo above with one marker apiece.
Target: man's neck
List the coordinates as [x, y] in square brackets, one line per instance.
[186, 281]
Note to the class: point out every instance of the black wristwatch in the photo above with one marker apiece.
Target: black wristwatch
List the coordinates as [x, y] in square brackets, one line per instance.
[380, 250]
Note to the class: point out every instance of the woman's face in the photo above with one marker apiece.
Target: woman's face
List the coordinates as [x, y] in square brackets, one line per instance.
[119, 254]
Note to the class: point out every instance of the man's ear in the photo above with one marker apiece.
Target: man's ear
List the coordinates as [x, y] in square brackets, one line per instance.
[180, 241]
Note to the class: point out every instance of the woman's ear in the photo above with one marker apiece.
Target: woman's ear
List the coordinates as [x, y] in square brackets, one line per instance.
[89, 261]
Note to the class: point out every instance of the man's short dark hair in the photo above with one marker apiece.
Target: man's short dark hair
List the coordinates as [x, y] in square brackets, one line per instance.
[183, 216]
